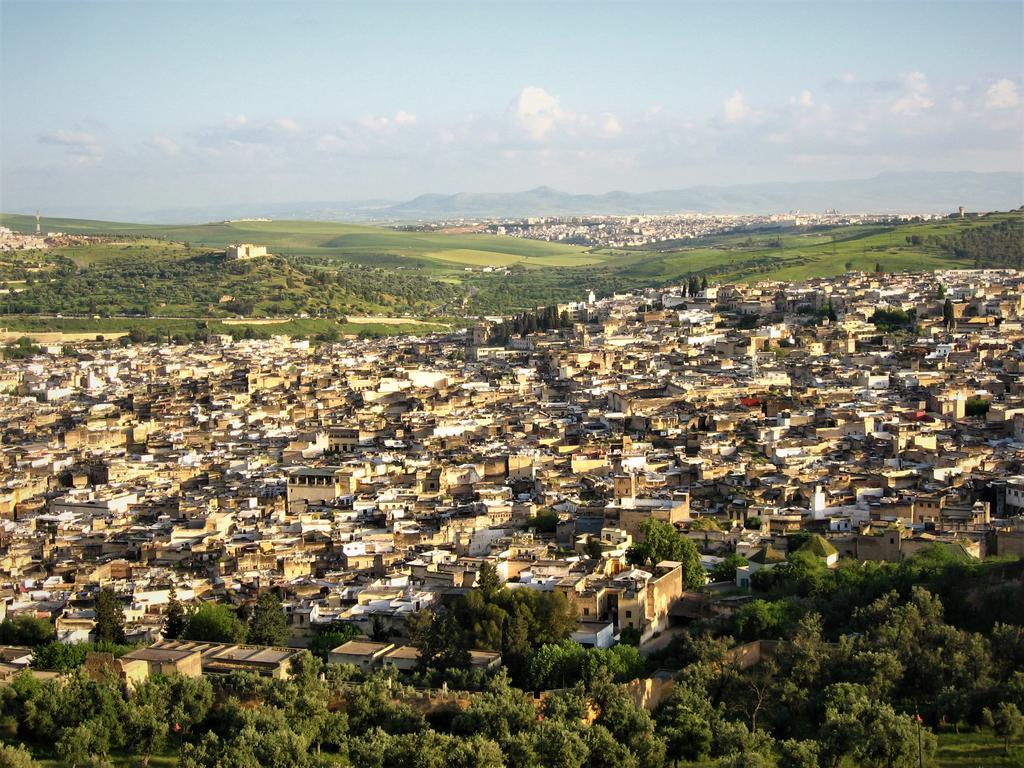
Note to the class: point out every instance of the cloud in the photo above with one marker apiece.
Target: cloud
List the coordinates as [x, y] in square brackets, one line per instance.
[915, 98]
[80, 146]
[805, 99]
[165, 145]
[1002, 94]
[610, 125]
[735, 109]
[287, 125]
[537, 113]
[835, 127]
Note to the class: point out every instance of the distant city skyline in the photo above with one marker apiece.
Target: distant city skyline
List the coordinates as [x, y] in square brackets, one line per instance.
[171, 104]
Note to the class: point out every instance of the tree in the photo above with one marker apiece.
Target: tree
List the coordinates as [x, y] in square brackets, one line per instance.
[1007, 721]
[26, 630]
[661, 541]
[878, 267]
[16, 757]
[685, 720]
[147, 729]
[487, 579]
[82, 744]
[268, 625]
[726, 570]
[109, 617]
[175, 618]
[330, 637]
[214, 623]
[947, 314]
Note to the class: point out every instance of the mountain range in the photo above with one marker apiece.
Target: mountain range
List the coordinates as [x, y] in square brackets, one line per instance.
[893, 192]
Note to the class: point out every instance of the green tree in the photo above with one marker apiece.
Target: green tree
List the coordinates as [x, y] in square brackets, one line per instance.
[26, 630]
[661, 541]
[726, 570]
[109, 617]
[268, 625]
[487, 580]
[175, 618]
[147, 729]
[1007, 721]
[215, 623]
[16, 757]
[329, 637]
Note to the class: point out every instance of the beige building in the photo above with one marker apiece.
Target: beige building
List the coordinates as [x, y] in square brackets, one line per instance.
[244, 251]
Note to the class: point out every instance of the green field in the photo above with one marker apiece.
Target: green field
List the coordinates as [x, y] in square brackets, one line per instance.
[332, 269]
[973, 750]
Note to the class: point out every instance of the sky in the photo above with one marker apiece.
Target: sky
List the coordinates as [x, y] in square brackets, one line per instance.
[147, 106]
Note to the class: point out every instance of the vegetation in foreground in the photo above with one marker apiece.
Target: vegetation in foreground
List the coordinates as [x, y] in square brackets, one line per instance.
[912, 686]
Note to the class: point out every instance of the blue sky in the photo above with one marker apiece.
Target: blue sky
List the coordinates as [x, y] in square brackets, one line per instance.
[150, 105]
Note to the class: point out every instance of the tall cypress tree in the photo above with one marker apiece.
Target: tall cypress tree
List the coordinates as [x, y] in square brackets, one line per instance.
[175, 618]
[109, 617]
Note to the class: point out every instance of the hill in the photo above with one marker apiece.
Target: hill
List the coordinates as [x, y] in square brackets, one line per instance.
[329, 270]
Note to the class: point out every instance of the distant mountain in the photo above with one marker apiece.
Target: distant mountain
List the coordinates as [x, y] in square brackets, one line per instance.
[895, 192]
[920, 192]
[348, 210]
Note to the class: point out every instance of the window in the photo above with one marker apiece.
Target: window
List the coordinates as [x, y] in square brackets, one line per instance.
[629, 614]
[586, 611]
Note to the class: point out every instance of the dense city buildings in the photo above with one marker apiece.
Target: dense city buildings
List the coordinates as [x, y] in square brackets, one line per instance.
[644, 230]
[367, 481]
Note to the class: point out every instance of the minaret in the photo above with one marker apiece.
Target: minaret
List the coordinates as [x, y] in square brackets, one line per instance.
[39, 230]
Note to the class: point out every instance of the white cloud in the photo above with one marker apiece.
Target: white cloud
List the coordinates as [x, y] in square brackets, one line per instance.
[735, 109]
[80, 146]
[374, 122]
[404, 118]
[537, 112]
[805, 99]
[287, 125]
[1002, 94]
[915, 98]
[165, 145]
[610, 125]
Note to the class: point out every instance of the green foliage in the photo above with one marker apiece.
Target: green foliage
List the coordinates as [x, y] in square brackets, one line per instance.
[1007, 721]
[726, 570]
[22, 349]
[894, 320]
[661, 541]
[16, 757]
[175, 617]
[109, 617]
[329, 637]
[765, 619]
[268, 624]
[999, 245]
[977, 406]
[327, 268]
[556, 665]
[216, 623]
[26, 630]
[545, 521]
[64, 657]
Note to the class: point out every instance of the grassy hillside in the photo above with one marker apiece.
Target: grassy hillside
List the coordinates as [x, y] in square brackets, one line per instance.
[327, 270]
